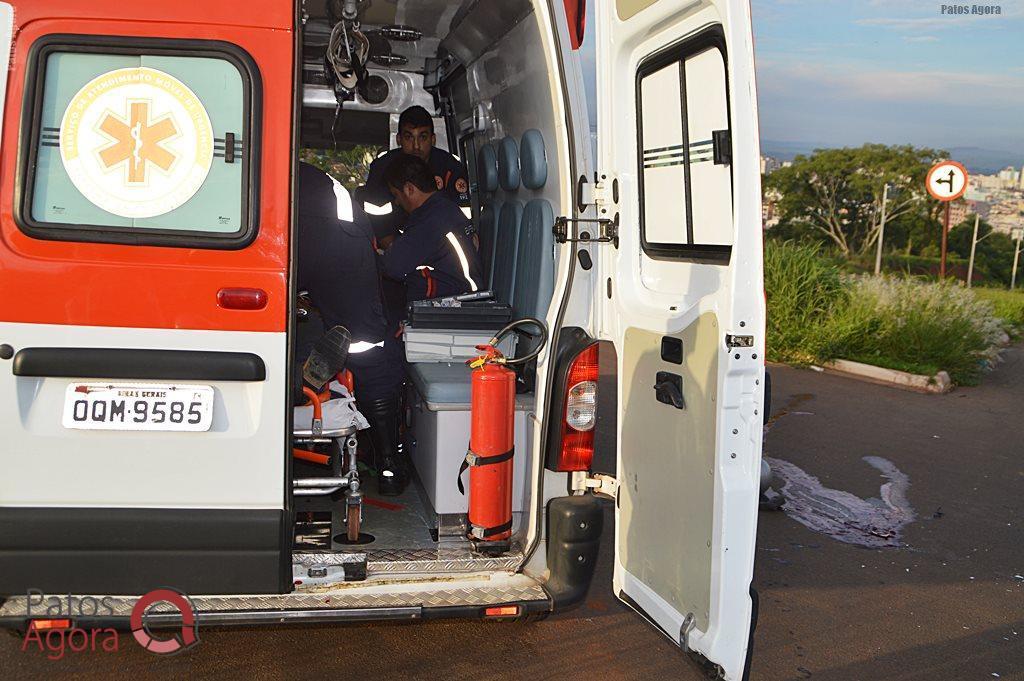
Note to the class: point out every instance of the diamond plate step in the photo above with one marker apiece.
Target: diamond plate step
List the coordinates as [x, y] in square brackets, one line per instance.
[369, 605]
[418, 561]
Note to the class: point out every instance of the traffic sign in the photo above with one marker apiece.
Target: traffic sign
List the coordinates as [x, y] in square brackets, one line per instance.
[947, 181]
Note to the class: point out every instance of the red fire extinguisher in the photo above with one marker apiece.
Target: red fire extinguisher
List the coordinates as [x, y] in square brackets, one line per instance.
[491, 440]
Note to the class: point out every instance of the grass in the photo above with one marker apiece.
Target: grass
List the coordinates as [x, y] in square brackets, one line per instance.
[1007, 305]
[817, 314]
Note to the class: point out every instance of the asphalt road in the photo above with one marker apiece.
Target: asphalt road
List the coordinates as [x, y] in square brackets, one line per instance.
[949, 604]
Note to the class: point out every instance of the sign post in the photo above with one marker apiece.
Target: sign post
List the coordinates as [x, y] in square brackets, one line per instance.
[946, 182]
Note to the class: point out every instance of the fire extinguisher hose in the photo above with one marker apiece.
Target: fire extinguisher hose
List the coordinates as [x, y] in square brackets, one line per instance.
[516, 324]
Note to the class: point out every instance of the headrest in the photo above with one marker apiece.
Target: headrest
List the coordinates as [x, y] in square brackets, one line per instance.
[533, 159]
[487, 168]
[508, 164]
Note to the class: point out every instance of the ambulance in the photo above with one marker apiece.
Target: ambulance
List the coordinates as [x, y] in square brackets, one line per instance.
[148, 161]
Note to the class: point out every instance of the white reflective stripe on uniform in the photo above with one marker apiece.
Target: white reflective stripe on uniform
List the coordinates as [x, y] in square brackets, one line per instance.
[344, 201]
[462, 259]
[424, 267]
[374, 209]
[467, 211]
[363, 346]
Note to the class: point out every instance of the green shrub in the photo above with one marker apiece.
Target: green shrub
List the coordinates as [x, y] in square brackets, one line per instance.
[817, 314]
[803, 290]
[916, 325]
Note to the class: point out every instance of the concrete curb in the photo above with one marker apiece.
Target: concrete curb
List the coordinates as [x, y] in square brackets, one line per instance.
[938, 384]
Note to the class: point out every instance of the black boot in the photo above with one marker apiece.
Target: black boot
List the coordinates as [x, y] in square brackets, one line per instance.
[392, 476]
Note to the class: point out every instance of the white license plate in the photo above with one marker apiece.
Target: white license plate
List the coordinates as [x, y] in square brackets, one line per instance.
[138, 406]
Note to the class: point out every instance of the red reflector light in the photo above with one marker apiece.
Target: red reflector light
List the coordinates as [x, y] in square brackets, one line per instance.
[502, 611]
[242, 298]
[46, 625]
[579, 412]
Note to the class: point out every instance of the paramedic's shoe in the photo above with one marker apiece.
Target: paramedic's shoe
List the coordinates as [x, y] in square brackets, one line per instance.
[391, 479]
[388, 460]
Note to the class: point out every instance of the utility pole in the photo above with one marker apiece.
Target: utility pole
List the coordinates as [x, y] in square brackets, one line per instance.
[974, 244]
[881, 231]
[1016, 256]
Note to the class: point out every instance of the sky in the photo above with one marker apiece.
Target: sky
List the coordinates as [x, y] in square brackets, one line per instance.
[841, 73]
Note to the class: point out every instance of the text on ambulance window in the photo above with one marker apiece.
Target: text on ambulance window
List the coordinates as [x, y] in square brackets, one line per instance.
[685, 155]
[140, 147]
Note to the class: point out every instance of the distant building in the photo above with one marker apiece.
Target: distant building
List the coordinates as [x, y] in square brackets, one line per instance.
[980, 208]
[769, 164]
[1009, 178]
[958, 211]
[770, 208]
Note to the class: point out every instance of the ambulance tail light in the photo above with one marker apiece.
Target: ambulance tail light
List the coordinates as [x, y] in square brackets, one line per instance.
[572, 448]
[50, 624]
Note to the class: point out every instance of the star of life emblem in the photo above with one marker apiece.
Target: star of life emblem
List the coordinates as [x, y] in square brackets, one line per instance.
[137, 142]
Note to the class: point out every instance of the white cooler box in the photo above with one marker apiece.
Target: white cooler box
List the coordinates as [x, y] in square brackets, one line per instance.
[450, 345]
[442, 438]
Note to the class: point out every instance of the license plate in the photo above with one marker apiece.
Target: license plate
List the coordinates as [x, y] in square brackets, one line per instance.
[136, 406]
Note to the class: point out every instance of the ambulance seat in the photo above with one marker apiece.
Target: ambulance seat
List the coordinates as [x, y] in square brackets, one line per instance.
[506, 248]
[487, 168]
[533, 159]
[487, 227]
[535, 263]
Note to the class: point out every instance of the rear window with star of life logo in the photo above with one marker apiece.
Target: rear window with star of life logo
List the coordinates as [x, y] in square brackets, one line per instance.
[146, 144]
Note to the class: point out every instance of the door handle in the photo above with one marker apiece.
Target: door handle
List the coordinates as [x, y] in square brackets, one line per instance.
[668, 388]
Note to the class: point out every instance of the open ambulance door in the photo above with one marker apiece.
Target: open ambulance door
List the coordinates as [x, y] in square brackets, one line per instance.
[679, 179]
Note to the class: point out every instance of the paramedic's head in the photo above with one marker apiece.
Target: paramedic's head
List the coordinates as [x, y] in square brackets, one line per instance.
[410, 181]
[416, 132]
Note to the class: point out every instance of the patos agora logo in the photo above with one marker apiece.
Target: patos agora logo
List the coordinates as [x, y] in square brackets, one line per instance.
[57, 634]
[136, 142]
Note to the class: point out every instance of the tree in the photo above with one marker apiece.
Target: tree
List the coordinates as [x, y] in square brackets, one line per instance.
[993, 259]
[349, 166]
[837, 193]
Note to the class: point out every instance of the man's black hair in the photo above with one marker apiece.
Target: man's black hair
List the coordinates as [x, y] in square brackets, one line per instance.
[415, 117]
[406, 168]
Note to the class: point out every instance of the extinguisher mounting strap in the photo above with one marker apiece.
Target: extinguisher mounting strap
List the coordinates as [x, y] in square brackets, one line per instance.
[478, 532]
[474, 459]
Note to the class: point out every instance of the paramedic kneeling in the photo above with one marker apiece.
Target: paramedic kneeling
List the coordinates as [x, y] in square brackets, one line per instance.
[435, 256]
[338, 267]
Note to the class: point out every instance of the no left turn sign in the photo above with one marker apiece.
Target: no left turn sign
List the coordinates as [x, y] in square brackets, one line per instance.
[947, 181]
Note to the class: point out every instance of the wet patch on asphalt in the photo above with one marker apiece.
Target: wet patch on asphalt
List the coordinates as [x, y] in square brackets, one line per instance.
[873, 522]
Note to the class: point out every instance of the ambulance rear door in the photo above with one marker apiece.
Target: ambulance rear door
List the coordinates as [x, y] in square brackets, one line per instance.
[679, 184]
[145, 167]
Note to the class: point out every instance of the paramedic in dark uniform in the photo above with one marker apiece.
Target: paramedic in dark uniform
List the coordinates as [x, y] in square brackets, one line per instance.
[337, 266]
[415, 138]
[435, 255]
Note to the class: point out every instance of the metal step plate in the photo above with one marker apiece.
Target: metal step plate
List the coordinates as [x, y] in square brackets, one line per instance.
[441, 560]
[345, 604]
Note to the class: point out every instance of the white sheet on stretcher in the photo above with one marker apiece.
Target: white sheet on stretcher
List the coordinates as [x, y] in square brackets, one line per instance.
[339, 412]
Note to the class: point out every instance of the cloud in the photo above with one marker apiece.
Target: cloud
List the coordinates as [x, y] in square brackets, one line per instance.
[859, 83]
[919, 23]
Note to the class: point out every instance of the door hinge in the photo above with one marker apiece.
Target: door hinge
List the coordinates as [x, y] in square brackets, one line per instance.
[603, 192]
[598, 483]
[739, 341]
[568, 230]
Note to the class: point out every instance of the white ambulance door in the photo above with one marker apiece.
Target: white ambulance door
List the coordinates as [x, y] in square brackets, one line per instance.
[678, 154]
